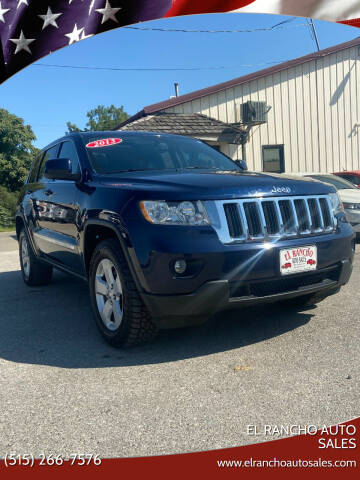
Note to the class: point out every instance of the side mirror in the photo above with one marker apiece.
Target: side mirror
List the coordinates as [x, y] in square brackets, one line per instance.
[242, 164]
[60, 169]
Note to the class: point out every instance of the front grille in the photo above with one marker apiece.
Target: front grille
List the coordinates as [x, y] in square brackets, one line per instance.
[233, 220]
[271, 219]
[301, 212]
[276, 286]
[262, 219]
[253, 219]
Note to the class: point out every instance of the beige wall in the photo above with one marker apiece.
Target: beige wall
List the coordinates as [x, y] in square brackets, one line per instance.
[315, 113]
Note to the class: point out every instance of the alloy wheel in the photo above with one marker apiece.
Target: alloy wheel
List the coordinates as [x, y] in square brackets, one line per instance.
[109, 295]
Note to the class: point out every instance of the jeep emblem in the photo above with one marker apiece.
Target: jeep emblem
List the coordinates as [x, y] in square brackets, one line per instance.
[281, 189]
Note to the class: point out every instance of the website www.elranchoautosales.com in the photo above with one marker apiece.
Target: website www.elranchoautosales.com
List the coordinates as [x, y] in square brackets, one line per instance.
[276, 463]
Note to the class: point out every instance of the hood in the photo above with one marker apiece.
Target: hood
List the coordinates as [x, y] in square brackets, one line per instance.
[349, 195]
[205, 184]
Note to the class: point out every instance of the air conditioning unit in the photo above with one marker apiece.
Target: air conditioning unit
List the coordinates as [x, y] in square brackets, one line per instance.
[254, 112]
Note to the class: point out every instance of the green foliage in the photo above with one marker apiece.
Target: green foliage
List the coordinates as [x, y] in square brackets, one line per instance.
[16, 150]
[5, 219]
[101, 118]
[72, 127]
[8, 204]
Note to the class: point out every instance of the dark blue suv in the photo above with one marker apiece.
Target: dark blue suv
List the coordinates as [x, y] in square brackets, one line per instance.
[167, 231]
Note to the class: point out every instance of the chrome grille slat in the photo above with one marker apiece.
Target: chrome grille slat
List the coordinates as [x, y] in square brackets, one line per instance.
[296, 220]
[328, 226]
[262, 218]
[288, 217]
[280, 219]
[320, 214]
[315, 214]
[303, 217]
[243, 217]
[267, 218]
[308, 214]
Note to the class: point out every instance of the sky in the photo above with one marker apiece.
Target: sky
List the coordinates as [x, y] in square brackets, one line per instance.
[47, 97]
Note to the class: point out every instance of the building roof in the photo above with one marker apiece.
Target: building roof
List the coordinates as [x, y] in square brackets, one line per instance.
[172, 102]
[180, 123]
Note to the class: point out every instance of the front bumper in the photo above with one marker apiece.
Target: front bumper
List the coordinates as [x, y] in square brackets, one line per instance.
[172, 311]
[226, 276]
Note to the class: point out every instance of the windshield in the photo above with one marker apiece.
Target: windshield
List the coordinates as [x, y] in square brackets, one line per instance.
[338, 183]
[154, 152]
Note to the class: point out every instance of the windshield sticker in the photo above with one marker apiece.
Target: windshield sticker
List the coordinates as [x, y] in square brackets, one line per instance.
[104, 142]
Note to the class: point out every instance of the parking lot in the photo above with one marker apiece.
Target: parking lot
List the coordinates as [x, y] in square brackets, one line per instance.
[63, 390]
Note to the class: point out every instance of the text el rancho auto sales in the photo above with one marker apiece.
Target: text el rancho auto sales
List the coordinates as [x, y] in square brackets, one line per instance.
[298, 252]
[337, 436]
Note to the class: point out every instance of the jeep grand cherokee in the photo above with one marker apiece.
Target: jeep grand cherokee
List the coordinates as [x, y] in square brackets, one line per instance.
[167, 231]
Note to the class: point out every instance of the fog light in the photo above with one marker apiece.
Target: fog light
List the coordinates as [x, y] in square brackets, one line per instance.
[180, 266]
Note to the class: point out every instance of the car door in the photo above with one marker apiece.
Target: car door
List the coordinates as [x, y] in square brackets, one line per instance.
[55, 231]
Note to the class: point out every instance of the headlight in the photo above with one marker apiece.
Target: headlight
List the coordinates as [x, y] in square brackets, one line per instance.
[174, 213]
[352, 206]
[336, 203]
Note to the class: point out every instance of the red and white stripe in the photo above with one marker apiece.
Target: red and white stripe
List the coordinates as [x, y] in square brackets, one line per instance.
[347, 11]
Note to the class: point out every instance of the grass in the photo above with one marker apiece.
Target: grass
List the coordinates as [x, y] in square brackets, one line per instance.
[7, 229]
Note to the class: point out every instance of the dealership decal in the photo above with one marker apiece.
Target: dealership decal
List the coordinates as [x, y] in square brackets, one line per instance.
[297, 260]
[104, 142]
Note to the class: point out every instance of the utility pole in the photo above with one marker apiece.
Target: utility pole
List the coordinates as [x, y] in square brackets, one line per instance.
[314, 33]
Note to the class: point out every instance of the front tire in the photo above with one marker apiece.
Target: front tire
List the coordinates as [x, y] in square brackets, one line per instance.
[119, 312]
[34, 272]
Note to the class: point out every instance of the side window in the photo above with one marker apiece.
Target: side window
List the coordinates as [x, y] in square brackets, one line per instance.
[273, 158]
[349, 178]
[49, 155]
[352, 178]
[34, 168]
[68, 150]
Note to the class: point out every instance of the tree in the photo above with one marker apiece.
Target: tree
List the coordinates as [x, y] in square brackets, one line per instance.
[8, 204]
[101, 118]
[16, 150]
[72, 127]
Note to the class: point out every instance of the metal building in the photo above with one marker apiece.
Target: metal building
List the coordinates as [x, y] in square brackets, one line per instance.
[313, 124]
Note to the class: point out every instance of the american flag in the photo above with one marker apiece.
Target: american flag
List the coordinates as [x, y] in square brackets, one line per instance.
[333, 10]
[31, 29]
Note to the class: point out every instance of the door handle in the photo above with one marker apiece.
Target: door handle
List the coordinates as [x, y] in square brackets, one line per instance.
[48, 192]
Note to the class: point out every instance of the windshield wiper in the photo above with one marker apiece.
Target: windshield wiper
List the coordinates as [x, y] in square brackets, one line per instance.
[196, 167]
[129, 170]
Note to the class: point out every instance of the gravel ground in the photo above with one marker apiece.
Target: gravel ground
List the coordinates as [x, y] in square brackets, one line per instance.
[63, 390]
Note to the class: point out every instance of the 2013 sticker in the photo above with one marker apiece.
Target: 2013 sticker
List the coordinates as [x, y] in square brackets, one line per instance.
[104, 142]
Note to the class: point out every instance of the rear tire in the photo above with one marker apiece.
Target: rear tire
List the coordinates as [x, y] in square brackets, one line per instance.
[34, 272]
[119, 312]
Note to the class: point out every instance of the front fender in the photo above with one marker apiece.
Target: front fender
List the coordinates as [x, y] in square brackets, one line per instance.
[112, 221]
